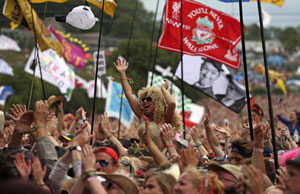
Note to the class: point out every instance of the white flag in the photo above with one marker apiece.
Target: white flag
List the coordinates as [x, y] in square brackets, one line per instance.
[7, 43]
[54, 70]
[100, 93]
[5, 68]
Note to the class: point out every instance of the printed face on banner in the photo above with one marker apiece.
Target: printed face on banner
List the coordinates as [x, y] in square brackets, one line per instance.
[214, 80]
[205, 32]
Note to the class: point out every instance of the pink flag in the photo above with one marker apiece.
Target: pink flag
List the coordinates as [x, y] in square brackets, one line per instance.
[73, 54]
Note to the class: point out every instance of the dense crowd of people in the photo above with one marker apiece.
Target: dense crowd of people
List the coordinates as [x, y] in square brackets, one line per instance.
[47, 151]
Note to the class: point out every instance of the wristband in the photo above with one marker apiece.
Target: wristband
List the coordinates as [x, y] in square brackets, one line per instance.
[109, 136]
[86, 175]
[170, 144]
[198, 144]
[227, 136]
[92, 178]
[259, 149]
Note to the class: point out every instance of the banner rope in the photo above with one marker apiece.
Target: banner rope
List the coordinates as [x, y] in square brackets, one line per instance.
[37, 58]
[150, 52]
[96, 73]
[127, 55]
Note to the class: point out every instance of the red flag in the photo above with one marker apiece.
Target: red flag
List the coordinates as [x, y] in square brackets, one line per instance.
[206, 32]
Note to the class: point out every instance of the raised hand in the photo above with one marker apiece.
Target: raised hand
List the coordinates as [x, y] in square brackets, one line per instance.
[23, 123]
[223, 130]
[195, 135]
[166, 84]
[188, 157]
[88, 159]
[41, 112]
[16, 111]
[253, 179]
[104, 125]
[166, 131]
[82, 136]
[121, 65]
[207, 116]
[23, 168]
[260, 132]
[38, 172]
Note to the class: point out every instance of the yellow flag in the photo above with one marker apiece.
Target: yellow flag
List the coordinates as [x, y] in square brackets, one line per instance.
[12, 11]
[44, 1]
[109, 6]
[279, 3]
[281, 85]
[44, 37]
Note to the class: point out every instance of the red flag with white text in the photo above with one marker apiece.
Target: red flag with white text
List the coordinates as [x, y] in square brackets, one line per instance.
[205, 32]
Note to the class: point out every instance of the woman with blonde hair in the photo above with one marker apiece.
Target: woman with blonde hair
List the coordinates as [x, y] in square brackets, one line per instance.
[154, 103]
[198, 182]
[159, 182]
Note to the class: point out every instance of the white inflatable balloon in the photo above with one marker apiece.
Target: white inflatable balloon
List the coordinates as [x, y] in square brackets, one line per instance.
[81, 17]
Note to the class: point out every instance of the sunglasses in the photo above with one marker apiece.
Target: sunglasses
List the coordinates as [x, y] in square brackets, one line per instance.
[149, 99]
[103, 163]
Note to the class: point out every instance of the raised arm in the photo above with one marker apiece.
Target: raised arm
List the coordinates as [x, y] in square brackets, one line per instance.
[122, 66]
[170, 101]
[104, 127]
[158, 156]
[211, 137]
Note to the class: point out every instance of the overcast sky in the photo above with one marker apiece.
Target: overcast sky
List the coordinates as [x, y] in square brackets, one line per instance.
[287, 15]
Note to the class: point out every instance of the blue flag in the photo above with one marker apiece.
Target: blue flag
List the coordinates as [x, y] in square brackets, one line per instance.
[279, 3]
[113, 102]
[5, 92]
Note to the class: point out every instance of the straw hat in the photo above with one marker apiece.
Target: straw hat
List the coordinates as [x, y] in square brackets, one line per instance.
[53, 101]
[125, 183]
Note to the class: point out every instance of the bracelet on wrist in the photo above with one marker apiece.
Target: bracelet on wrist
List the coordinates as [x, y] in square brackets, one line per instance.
[92, 178]
[109, 136]
[88, 174]
[170, 144]
[259, 149]
[198, 144]
[227, 136]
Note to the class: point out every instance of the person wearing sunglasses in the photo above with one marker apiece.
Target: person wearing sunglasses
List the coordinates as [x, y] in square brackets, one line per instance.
[154, 103]
[107, 158]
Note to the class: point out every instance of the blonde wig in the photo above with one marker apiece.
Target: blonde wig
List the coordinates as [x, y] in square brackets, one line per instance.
[160, 106]
[197, 178]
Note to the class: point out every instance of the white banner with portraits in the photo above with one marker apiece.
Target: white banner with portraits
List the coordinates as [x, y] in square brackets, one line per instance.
[213, 79]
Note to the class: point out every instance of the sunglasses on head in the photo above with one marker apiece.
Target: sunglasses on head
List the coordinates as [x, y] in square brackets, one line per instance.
[103, 163]
[149, 99]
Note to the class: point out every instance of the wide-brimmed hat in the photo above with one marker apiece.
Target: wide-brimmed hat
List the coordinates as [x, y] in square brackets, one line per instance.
[53, 101]
[235, 170]
[125, 183]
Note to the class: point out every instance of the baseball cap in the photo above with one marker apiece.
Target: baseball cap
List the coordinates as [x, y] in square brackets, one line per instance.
[67, 136]
[69, 116]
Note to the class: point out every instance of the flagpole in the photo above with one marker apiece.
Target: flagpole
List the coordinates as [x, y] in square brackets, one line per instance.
[96, 74]
[156, 49]
[127, 55]
[36, 59]
[153, 30]
[268, 85]
[246, 70]
[181, 59]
